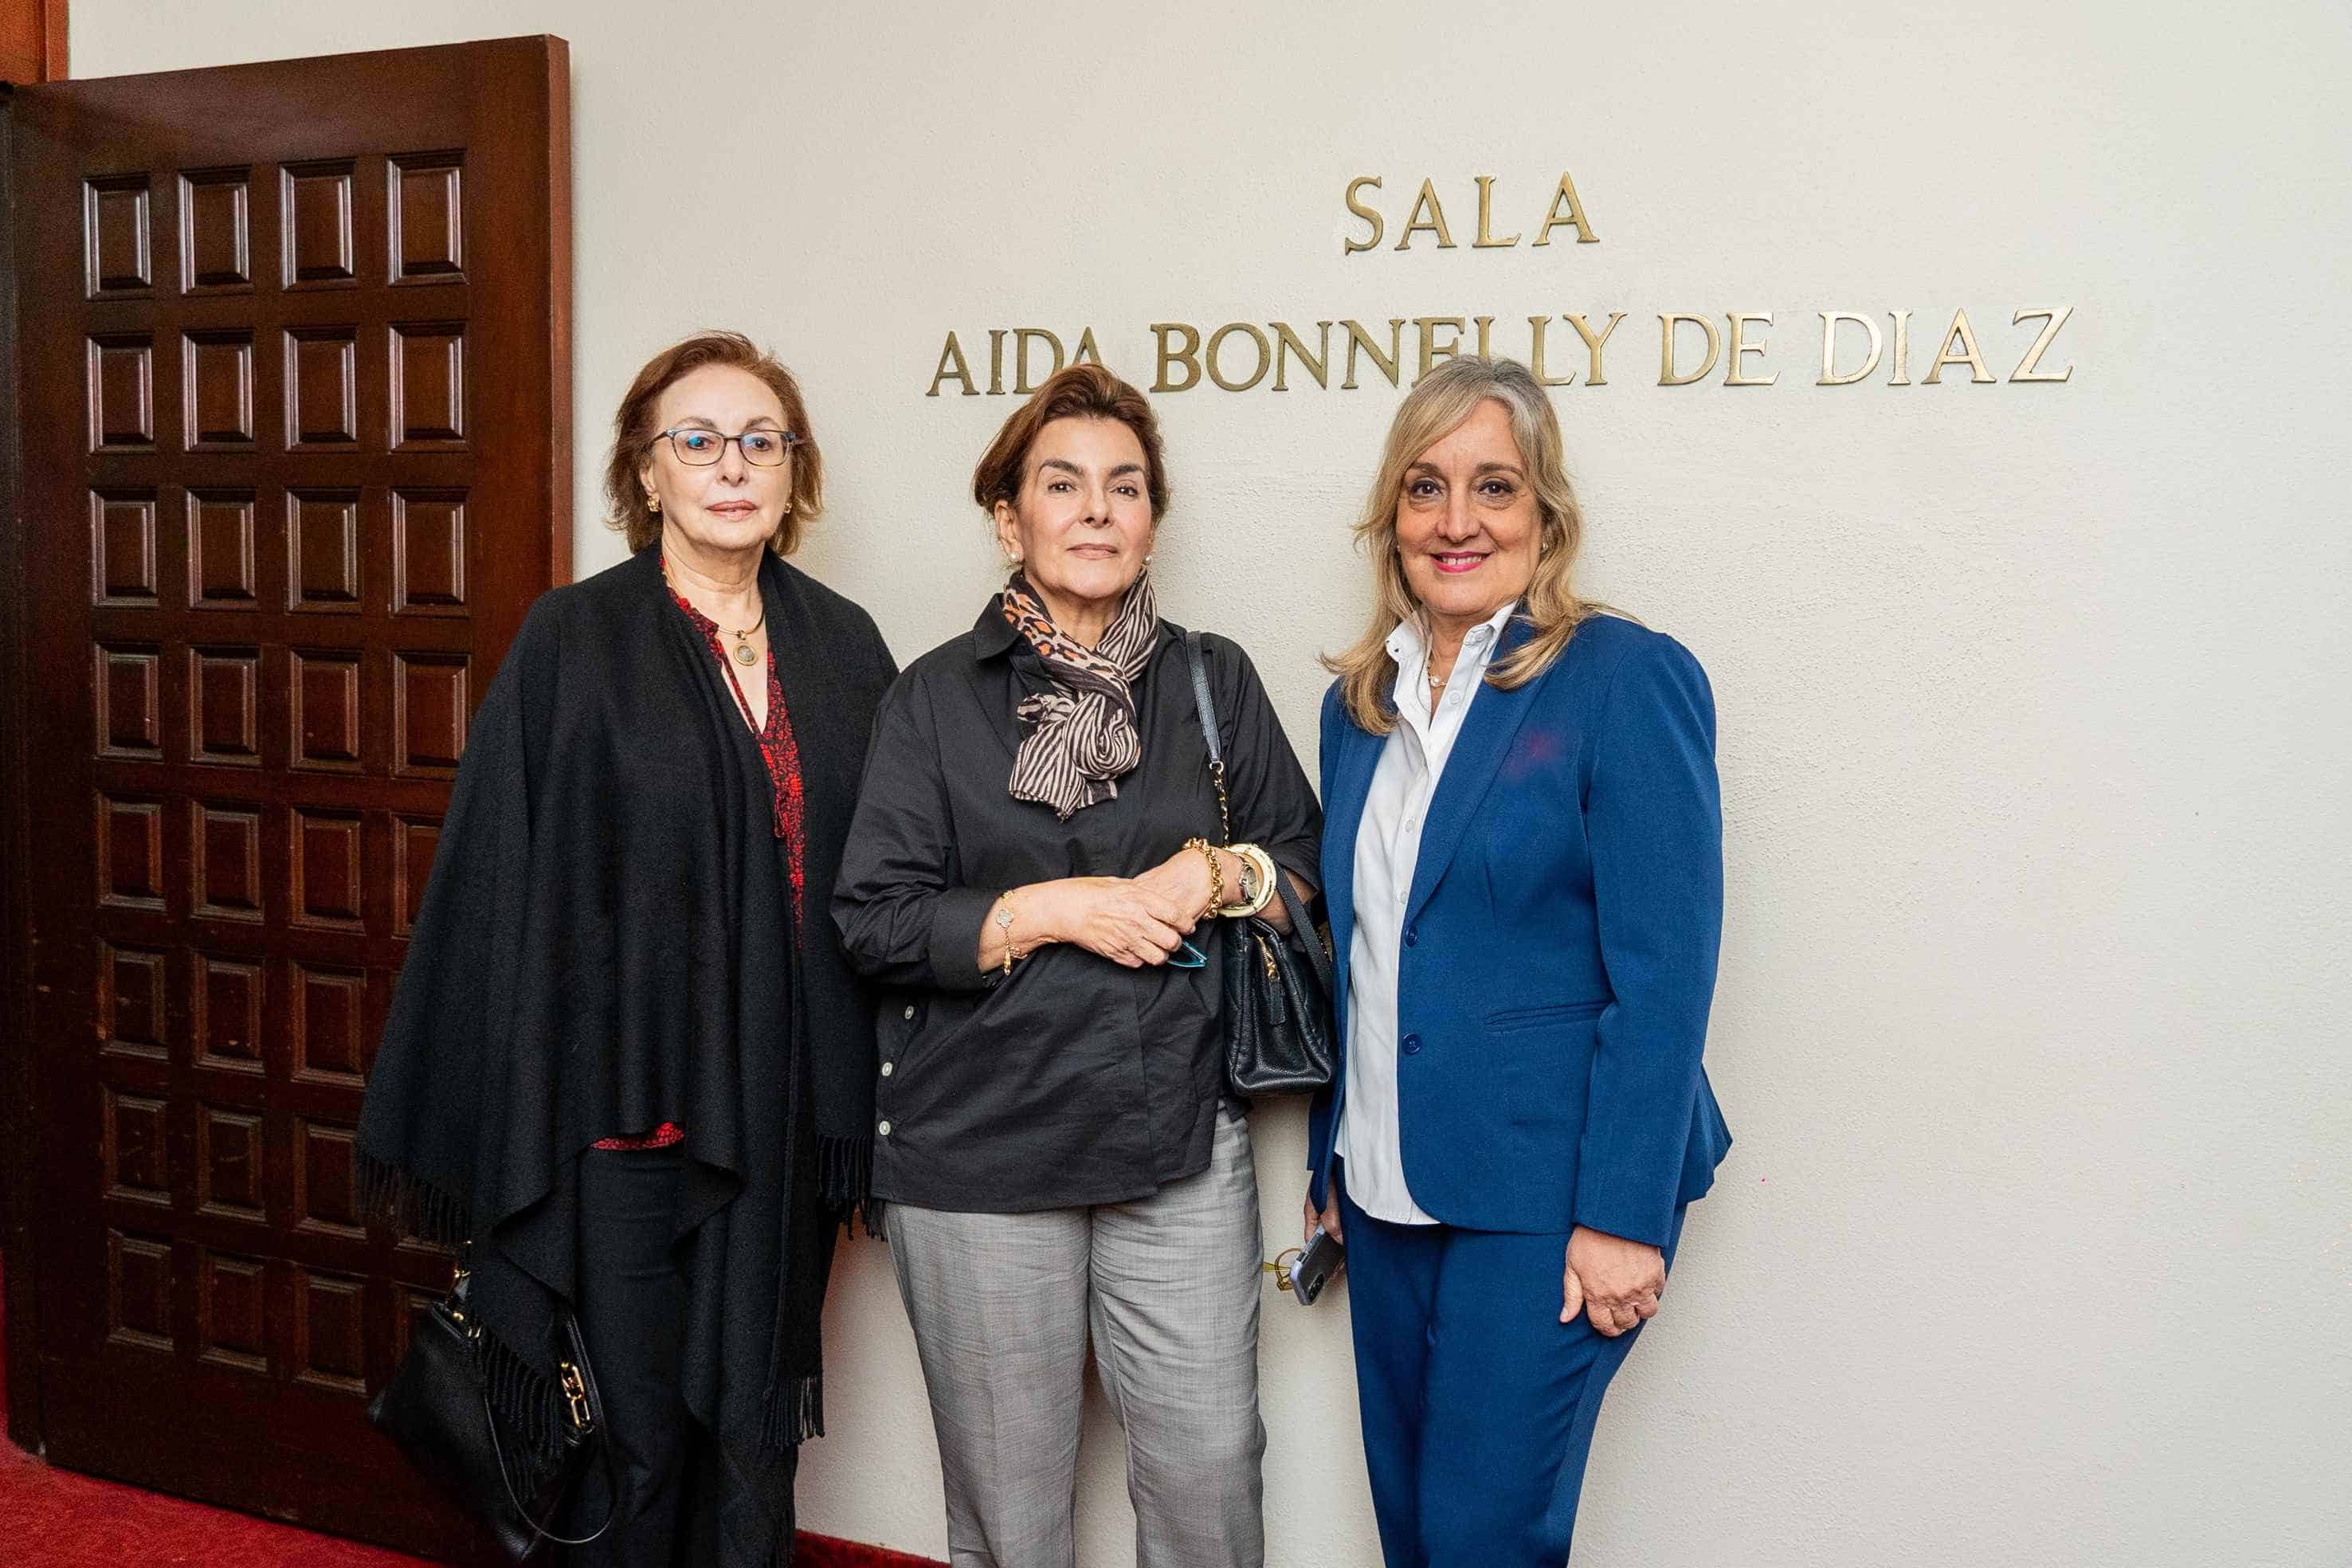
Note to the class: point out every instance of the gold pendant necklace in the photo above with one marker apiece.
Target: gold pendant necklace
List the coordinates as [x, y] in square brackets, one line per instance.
[745, 654]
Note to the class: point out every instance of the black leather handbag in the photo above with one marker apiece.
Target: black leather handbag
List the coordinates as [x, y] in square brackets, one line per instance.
[437, 1408]
[1279, 1033]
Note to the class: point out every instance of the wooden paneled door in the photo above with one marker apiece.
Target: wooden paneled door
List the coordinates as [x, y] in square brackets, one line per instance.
[294, 402]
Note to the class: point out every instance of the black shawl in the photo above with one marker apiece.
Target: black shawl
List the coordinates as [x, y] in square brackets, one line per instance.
[608, 942]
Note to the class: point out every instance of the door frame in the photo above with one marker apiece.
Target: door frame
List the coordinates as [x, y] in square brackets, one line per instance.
[18, 1167]
[33, 40]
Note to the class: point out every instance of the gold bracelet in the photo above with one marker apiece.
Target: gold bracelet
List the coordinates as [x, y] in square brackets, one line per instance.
[1004, 925]
[1216, 877]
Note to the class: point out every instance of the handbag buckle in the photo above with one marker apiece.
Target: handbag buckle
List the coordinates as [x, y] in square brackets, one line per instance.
[575, 1396]
[456, 1296]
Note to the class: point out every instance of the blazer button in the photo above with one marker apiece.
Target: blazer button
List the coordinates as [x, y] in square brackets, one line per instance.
[1413, 1044]
[911, 1010]
[884, 1130]
[1412, 939]
[887, 1067]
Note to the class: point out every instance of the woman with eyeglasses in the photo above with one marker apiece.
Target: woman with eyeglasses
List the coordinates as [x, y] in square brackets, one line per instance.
[626, 1064]
[1036, 869]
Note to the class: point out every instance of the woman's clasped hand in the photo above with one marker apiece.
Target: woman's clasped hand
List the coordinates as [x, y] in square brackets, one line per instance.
[1132, 921]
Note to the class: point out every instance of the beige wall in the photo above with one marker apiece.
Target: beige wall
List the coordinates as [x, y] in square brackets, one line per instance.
[2033, 1250]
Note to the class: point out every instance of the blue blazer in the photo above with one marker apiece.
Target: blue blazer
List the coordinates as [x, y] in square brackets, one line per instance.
[1559, 944]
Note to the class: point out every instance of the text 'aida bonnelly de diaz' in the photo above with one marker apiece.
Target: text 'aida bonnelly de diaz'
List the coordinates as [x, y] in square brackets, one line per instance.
[1563, 348]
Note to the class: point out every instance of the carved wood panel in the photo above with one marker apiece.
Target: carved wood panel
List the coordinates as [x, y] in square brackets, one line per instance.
[269, 573]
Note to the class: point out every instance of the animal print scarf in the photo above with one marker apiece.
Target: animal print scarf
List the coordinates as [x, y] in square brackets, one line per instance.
[1078, 740]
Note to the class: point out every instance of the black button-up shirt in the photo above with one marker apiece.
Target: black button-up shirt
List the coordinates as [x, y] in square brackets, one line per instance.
[1076, 1081]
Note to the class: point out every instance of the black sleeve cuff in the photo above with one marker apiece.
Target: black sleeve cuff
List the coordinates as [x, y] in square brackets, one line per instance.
[957, 916]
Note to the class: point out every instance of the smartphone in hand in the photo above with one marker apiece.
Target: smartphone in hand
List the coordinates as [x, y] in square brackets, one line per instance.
[1322, 1258]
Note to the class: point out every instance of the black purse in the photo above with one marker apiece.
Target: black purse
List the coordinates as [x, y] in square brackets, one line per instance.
[1279, 1032]
[437, 1408]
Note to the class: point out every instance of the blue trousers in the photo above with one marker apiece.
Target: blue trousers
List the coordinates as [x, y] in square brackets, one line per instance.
[1478, 1402]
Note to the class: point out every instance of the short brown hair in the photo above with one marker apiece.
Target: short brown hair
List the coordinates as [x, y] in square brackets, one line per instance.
[1081, 392]
[637, 423]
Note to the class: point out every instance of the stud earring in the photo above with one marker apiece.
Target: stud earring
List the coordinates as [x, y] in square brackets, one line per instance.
[788, 506]
[653, 503]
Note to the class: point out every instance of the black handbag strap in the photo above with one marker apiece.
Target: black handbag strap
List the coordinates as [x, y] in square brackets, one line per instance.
[1205, 708]
[1302, 928]
[538, 1527]
[1202, 703]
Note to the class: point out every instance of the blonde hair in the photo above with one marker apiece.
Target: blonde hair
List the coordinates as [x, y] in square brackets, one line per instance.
[1436, 406]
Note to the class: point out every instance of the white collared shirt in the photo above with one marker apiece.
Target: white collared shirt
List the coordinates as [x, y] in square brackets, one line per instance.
[1388, 849]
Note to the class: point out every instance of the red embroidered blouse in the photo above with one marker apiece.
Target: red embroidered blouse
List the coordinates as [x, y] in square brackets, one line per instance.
[783, 755]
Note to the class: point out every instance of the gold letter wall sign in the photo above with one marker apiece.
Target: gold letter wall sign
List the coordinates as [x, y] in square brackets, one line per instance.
[1427, 215]
[1968, 354]
[1694, 346]
[1830, 320]
[951, 367]
[1270, 357]
[1566, 209]
[1435, 222]
[2056, 316]
[1732, 373]
[1667, 323]
[1370, 214]
[1188, 356]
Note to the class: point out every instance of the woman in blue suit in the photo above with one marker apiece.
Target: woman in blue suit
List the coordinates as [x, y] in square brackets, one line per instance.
[1522, 856]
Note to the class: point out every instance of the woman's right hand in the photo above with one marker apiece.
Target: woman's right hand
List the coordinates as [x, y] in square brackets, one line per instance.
[1118, 918]
[1327, 1220]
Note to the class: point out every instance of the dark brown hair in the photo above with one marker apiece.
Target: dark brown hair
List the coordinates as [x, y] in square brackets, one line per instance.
[635, 425]
[1081, 392]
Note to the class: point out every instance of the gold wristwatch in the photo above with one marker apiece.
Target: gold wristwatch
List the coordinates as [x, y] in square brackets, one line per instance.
[1257, 880]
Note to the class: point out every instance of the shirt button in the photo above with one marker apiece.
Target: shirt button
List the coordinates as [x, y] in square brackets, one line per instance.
[887, 1068]
[884, 1130]
[1405, 895]
[911, 1010]
[1411, 1048]
[1411, 823]
[1453, 696]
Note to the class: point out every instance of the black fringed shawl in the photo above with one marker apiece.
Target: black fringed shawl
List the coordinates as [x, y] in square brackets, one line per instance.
[607, 943]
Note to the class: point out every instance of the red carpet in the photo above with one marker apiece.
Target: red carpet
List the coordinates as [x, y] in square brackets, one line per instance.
[60, 1519]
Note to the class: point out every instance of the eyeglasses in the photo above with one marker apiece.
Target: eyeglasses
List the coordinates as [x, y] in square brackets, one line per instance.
[699, 449]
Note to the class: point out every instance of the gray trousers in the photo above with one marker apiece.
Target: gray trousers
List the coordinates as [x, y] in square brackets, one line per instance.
[1002, 1305]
